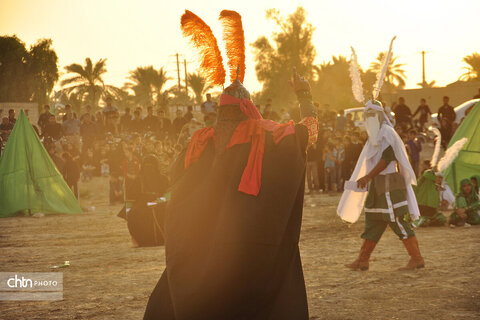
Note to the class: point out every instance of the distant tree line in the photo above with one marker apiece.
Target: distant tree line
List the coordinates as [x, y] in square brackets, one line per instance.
[31, 74]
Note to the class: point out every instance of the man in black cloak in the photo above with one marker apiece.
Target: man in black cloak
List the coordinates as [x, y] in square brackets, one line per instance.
[233, 221]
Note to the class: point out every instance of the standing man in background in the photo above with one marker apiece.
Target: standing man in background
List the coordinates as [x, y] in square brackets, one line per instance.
[209, 106]
[424, 112]
[402, 113]
[446, 111]
[43, 118]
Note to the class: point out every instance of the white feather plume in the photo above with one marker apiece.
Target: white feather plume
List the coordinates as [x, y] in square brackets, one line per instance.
[383, 71]
[357, 86]
[451, 154]
[438, 143]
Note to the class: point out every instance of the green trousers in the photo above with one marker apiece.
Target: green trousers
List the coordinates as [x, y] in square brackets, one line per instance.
[374, 228]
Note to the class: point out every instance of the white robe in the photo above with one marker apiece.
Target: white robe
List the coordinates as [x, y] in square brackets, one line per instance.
[352, 202]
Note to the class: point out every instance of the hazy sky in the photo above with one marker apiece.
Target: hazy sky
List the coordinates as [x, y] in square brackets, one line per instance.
[143, 32]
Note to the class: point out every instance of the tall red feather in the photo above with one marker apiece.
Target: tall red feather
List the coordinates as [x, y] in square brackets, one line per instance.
[203, 39]
[234, 38]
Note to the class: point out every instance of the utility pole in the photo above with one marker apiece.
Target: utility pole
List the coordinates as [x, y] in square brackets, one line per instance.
[178, 74]
[423, 69]
[186, 77]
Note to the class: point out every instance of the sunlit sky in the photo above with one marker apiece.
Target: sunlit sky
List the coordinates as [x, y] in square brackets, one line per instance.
[144, 32]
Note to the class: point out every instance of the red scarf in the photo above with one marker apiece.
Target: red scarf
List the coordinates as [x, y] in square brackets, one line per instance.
[251, 131]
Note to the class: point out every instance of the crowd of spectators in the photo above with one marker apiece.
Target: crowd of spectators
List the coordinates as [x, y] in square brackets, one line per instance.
[332, 159]
[107, 143]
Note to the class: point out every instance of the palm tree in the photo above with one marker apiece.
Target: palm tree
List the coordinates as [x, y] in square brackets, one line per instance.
[198, 85]
[140, 85]
[395, 76]
[86, 81]
[158, 80]
[473, 69]
[147, 84]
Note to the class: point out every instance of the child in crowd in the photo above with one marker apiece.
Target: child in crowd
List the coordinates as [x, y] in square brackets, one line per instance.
[88, 166]
[329, 158]
[415, 146]
[340, 158]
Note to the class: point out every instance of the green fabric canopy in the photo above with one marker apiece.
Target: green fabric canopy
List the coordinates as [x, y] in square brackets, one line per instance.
[29, 180]
[467, 163]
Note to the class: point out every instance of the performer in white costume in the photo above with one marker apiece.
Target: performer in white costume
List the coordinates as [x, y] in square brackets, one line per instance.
[382, 180]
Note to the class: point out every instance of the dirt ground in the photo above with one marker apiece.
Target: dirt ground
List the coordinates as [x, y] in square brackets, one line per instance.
[109, 279]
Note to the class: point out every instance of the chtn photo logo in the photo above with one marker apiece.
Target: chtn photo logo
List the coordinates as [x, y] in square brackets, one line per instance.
[16, 282]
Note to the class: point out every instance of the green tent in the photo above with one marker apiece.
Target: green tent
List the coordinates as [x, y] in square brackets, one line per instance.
[29, 180]
[467, 163]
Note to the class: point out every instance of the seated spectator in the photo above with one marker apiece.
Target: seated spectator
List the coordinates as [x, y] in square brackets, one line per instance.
[475, 182]
[467, 205]
[427, 192]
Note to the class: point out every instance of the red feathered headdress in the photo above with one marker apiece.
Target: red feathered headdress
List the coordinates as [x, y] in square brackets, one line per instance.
[203, 39]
